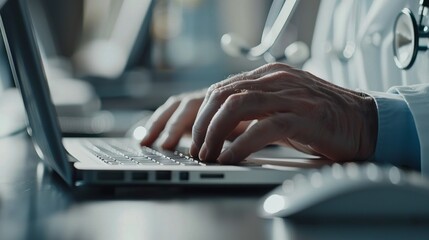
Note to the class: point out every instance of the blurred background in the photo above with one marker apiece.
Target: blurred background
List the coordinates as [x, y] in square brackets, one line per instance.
[108, 61]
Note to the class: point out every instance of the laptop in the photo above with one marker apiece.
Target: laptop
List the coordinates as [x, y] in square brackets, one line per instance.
[103, 161]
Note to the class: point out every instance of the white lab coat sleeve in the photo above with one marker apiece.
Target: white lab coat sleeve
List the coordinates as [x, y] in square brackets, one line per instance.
[397, 139]
[417, 98]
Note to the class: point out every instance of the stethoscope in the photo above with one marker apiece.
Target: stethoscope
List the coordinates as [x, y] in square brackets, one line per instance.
[295, 53]
[409, 37]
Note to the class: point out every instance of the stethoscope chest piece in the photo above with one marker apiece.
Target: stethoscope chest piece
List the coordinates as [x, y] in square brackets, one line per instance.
[405, 39]
[410, 37]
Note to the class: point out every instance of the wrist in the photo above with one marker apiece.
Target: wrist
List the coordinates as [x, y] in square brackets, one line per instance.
[368, 140]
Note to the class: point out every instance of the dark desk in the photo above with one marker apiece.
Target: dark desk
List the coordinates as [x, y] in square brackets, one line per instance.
[34, 204]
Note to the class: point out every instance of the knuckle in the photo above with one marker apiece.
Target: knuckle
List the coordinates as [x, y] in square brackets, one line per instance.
[282, 74]
[212, 88]
[242, 85]
[275, 65]
[238, 76]
[244, 76]
[260, 69]
[272, 67]
[309, 75]
[218, 96]
[234, 102]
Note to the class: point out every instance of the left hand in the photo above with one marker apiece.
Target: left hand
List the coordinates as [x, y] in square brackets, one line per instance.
[293, 108]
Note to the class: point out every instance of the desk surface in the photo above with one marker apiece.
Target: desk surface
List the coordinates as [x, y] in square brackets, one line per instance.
[34, 204]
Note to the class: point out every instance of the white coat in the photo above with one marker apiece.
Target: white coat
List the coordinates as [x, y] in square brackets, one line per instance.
[363, 30]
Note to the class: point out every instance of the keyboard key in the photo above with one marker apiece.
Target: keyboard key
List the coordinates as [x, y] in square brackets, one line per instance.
[125, 160]
[113, 163]
[148, 163]
[120, 158]
[169, 163]
[129, 163]
[143, 159]
[184, 160]
[115, 152]
[190, 163]
[169, 154]
[160, 158]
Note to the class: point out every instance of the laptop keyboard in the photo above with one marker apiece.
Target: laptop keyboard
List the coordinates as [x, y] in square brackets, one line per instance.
[119, 153]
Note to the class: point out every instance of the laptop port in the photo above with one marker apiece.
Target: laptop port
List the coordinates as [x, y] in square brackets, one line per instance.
[140, 176]
[184, 176]
[110, 175]
[163, 175]
[212, 176]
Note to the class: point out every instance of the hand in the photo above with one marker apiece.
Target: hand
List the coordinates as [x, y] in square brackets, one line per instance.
[293, 108]
[170, 122]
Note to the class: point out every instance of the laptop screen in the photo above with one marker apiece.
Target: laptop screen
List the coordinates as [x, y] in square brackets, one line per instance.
[29, 75]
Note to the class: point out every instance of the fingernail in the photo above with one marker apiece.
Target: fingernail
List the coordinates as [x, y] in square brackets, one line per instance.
[203, 152]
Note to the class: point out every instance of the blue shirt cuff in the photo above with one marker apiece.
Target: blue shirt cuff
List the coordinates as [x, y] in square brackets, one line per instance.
[397, 139]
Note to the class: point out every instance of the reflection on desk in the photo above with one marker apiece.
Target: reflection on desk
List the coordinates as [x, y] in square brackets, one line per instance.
[284, 229]
[35, 204]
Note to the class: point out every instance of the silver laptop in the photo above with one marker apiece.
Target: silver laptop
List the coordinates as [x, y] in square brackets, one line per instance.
[103, 161]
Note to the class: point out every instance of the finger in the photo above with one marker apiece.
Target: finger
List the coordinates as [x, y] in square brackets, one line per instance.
[241, 127]
[158, 120]
[205, 115]
[196, 142]
[212, 102]
[298, 146]
[255, 138]
[180, 122]
[237, 108]
[266, 131]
